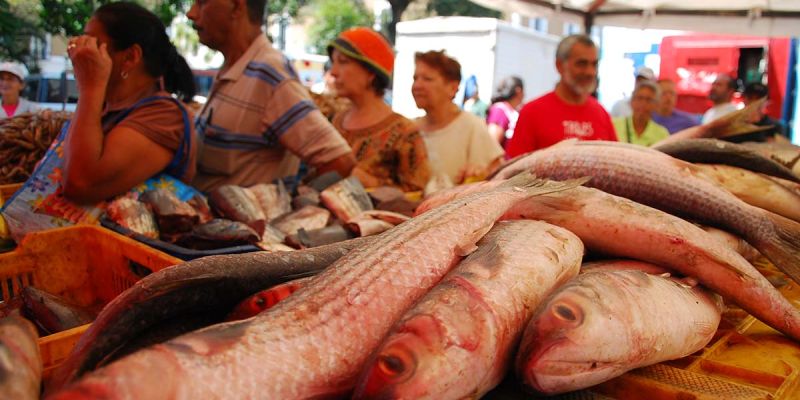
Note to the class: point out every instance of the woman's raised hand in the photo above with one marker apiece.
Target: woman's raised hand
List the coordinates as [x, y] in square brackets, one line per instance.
[91, 63]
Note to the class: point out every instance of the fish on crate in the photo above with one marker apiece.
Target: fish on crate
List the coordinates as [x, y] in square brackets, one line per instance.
[346, 199]
[306, 196]
[51, 313]
[620, 227]
[607, 322]
[134, 215]
[265, 299]
[272, 199]
[308, 218]
[314, 343]
[209, 286]
[219, 233]
[373, 222]
[238, 204]
[715, 151]
[317, 237]
[200, 204]
[459, 340]
[653, 178]
[754, 189]
[173, 216]
[20, 360]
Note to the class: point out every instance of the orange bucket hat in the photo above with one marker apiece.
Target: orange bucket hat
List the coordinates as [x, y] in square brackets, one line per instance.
[368, 47]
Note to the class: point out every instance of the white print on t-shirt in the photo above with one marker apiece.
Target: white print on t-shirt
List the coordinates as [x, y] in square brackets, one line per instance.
[577, 129]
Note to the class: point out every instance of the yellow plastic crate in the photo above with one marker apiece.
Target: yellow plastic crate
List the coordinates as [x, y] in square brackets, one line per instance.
[88, 265]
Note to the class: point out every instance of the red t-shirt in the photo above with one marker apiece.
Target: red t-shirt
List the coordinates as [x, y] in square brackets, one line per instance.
[10, 109]
[548, 120]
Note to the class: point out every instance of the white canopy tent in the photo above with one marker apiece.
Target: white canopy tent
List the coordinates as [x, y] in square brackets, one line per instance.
[772, 18]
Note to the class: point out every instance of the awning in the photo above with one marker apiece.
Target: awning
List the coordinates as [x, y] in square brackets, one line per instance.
[746, 17]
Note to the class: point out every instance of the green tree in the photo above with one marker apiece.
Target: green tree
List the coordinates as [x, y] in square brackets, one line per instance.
[462, 8]
[334, 16]
[16, 29]
[68, 17]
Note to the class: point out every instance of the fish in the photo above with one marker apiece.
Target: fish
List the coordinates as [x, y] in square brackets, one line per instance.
[738, 244]
[383, 194]
[388, 216]
[134, 215]
[238, 204]
[786, 154]
[460, 339]
[20, 360]
[715, 151]
[273, 199]
[306, 196]
[658, 180]
[308, 218]
[605, 323]
[200, 205]
[51, 313]
[313, 343]
[265, 299]
[211, 285]
[219, 233]
[368, 226]
[173, 216]
[754, 189]
[620, 227]
[625, 265]
[346, 199]
[318, 237]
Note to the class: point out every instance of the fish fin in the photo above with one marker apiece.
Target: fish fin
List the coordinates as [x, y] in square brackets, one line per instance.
[169, 286]
[534, 186]
[783, 249]
[468, 244]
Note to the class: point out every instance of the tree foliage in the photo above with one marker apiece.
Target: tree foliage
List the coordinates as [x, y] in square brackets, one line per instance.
[462, 8]
[334, 16]
[16, 30]
[68, 17]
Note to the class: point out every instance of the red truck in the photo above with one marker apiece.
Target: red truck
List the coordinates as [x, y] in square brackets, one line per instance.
[694, 61]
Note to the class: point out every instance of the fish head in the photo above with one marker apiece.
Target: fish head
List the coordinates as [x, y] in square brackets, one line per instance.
[410, 363]
[573, 340]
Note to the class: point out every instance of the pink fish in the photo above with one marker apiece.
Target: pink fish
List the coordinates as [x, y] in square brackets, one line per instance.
[314, 343]
[458, 341]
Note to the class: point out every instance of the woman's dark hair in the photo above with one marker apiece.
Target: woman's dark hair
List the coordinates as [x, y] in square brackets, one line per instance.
[507, 88]
[128, 24]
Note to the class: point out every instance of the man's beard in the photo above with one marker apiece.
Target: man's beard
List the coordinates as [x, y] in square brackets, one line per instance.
[573, 84]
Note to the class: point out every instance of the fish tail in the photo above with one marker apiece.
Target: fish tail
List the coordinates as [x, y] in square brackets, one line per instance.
[783, 249]
[534, 186]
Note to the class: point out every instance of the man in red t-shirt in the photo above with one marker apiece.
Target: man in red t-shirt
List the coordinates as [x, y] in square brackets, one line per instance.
[569, 111]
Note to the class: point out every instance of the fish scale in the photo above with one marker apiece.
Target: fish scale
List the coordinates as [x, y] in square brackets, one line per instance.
[313, 343]
[658, 180]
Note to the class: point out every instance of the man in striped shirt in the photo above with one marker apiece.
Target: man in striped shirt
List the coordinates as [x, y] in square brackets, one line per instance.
[257, 108]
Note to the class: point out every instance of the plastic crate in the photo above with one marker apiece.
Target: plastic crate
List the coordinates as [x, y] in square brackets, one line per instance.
[88, 265]
[177, 251]
[6, 191]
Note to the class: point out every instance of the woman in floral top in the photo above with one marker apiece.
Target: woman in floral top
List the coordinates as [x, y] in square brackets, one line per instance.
[388, 147]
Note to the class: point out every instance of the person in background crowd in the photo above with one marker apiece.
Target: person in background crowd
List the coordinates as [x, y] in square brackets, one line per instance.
[752, 92]
[639, 128]
[388, 147]
[502, 115]
[325, 86]
[666, 114]
[622, 108]
[458, 142]
[721, 93]
[569, 111]
[127, 127]
[258, 116]
[472, 101]
[12, 81]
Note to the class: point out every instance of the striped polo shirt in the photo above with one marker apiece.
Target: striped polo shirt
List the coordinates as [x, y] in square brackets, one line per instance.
[256, 111]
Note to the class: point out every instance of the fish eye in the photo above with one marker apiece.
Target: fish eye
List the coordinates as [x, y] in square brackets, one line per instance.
[260, 302]
[564, 312]
[391, 365]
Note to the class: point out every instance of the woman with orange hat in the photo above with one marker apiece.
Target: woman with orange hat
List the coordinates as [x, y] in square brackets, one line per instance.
[388, 147]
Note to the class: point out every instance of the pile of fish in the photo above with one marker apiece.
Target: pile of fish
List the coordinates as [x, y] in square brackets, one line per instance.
[25, 139]
[327, 210]
[486, 280]
[48, 312]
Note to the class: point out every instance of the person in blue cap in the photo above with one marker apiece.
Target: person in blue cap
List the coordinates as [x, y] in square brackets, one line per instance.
[472, 103]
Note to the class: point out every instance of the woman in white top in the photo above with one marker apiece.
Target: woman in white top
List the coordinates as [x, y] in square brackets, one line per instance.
[458, 143]
[12, 80]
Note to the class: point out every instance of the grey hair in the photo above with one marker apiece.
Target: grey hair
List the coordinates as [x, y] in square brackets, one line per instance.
[566, 44]
[647, 84]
